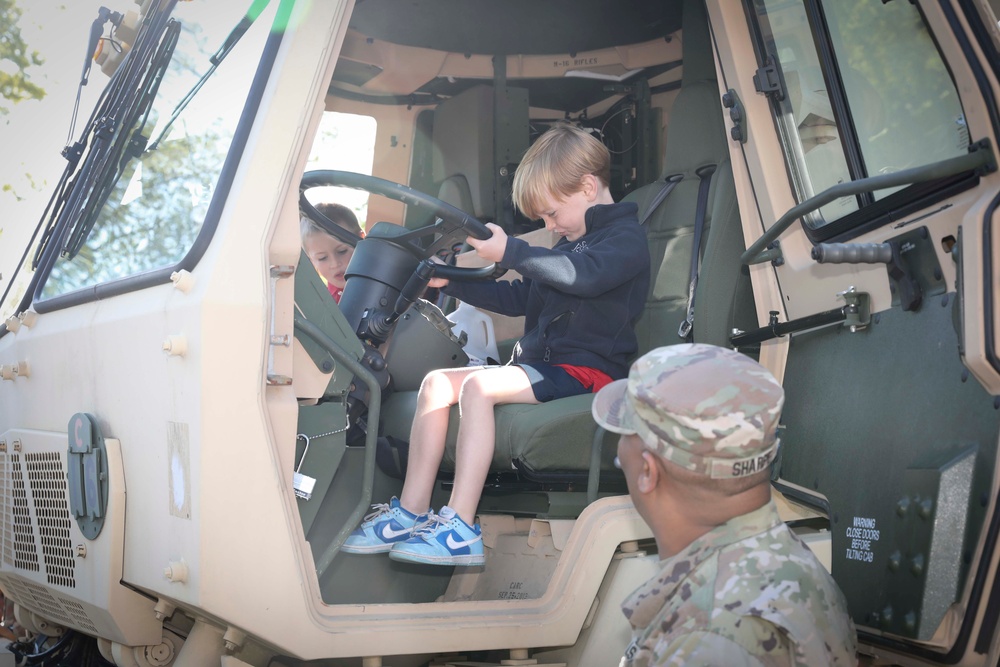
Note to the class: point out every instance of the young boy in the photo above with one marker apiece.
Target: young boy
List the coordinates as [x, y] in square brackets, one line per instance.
[580, 300]
[328, 254]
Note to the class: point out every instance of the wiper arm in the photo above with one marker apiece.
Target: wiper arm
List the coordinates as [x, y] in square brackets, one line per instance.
[72, 151]
[127, 127]
[96, 31]
[256, 9]
[123, 129]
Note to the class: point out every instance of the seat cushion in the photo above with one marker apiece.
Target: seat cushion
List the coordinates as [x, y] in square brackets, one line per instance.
[547, 437]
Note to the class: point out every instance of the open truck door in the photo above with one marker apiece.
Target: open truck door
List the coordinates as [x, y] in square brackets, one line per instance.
[874, 267]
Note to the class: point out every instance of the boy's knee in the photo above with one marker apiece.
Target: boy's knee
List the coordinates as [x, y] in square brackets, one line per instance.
[435, 383]
[476, 385]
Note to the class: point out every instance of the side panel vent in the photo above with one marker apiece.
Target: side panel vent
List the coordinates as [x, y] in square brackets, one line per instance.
[47, 479]
[55, 607]
[6, 509]
[37, 598]
[78, 613]
[25, 553]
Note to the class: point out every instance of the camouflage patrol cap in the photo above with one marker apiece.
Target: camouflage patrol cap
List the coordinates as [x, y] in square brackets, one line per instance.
[708, 409]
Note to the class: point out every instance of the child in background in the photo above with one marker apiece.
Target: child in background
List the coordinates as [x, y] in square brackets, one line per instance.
[328, 254]
[580, 299]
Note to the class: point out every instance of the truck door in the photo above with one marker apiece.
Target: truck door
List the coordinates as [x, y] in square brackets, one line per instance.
[885, 113]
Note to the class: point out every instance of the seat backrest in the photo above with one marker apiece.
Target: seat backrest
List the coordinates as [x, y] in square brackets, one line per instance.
[724, 298]
[468, 144]
[455, 190]
[696, 138]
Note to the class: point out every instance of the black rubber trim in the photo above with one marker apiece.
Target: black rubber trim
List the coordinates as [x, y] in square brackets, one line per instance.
[838, 99]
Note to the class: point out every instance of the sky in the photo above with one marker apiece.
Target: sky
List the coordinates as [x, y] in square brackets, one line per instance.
[34, 133]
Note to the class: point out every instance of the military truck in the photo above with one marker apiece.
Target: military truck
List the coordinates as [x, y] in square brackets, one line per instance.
[190, 426]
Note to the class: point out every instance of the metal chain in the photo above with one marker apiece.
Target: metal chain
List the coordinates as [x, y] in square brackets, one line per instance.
[309, 438]
[322, 435]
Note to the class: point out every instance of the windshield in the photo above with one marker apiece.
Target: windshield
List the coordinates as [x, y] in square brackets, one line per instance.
[148, 208]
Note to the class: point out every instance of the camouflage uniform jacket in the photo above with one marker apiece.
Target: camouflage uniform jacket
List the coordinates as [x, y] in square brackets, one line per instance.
[749, 592]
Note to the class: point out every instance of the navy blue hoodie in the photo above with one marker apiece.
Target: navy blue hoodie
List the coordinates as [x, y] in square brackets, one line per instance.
[580, 299]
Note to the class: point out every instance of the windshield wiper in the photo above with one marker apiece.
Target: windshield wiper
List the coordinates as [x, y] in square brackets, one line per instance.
[114, 134]
[130, 142]
[123, 129]
[256, 9]
[59, 207]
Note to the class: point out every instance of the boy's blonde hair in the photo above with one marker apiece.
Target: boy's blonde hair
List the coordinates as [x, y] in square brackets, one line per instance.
[555, 165]
[337, 213]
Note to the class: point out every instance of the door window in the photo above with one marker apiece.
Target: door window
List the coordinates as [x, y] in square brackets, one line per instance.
[865, 93]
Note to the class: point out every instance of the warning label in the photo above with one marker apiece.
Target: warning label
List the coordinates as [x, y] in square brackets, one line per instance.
[862, 534]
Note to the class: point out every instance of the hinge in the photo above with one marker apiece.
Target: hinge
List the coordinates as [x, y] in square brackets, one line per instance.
[768, 80]
[278, 272]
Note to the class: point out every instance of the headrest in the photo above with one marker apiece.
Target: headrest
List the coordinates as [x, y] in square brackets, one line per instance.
[696, 132]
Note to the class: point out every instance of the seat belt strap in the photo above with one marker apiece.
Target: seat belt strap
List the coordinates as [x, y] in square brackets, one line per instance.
[670, 183]
[705, 174]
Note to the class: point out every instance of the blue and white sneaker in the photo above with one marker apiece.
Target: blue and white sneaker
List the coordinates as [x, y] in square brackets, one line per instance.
[381, 529]
[444, 539]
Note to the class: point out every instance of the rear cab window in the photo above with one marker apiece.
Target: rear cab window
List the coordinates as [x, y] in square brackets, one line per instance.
[344, 142]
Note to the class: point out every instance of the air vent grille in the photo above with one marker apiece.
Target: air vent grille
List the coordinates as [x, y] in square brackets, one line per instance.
[37, 599]
[6, 518]
[55, 607]
[48, 492]
[78, 613]
[25, 553]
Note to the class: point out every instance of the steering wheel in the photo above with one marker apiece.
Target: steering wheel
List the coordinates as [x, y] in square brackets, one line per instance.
[453, 225]
[392, 266]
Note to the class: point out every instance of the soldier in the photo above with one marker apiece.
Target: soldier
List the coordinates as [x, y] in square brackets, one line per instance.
[698, 432]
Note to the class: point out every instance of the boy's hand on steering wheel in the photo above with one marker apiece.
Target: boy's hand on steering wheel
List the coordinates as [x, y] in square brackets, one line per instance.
[493, 248]
[435, 283]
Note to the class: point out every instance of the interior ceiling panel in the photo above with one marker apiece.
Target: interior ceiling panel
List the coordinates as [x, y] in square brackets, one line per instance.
[568, 94]
[515, 26]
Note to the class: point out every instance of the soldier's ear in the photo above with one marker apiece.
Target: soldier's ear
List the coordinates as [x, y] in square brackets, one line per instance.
[649, 474]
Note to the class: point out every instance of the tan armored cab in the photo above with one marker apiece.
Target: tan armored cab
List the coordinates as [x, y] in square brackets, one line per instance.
[191, 426]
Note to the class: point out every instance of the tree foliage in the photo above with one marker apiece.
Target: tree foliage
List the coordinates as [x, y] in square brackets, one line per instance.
[16, 59]
[152, 216]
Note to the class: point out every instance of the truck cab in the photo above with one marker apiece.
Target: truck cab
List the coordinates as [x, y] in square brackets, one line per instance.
[190, 426]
